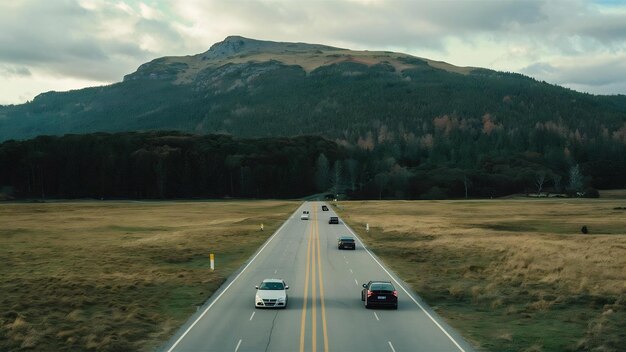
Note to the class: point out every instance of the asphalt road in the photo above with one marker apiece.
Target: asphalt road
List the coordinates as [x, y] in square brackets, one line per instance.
[325, 311]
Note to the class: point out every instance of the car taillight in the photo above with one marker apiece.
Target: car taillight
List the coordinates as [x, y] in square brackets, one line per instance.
[395, 293]
[370, 293]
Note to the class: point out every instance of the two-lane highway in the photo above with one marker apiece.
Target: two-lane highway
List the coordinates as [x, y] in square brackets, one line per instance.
[325, 312]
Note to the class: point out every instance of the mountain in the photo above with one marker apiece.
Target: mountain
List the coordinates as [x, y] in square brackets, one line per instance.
[397, 113]
[254, 88]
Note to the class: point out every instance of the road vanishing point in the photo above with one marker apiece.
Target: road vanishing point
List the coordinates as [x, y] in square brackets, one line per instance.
[325, 311]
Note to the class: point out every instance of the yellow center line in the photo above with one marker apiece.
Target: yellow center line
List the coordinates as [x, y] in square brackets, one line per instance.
[313, 292]
[319, 263]
[306, 291]
[313, 264]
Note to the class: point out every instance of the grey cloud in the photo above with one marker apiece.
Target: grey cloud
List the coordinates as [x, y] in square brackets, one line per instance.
[485, 15]
[598, 77]
[159, 29]
[610, 29]
[354, 24]
[68, 40]
[11, 71]
[597, 74]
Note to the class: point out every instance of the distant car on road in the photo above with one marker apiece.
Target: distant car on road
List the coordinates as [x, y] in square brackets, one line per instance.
[379, 293]
[324, 208]
[305, 215]
[333, 220]
[346, 242]
[271, 293]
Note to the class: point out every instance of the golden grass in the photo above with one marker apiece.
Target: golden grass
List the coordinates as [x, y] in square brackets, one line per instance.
[118, 276]
[310, 61]
[510, 274]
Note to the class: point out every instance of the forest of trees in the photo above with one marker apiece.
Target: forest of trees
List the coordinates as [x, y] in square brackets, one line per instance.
[246, 130]
[165, 165]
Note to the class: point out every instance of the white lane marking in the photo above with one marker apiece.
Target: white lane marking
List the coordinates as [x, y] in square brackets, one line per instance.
[351, 272]
[239, 344]
[405, 291]
[227, 287]
[376, 315]
[356, 282]
[275, 271]
[390, 345]
[252, 316]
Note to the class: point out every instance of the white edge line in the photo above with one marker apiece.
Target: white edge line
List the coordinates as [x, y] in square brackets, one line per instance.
[239, 344]
[227, 287]
[252, 316]
[405, 291]
[390, 345]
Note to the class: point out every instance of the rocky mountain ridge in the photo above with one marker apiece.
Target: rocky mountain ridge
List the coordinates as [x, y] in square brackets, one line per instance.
[239, 50]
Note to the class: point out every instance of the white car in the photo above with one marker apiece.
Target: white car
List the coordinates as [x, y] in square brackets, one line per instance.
[271, 293]
[305, 215]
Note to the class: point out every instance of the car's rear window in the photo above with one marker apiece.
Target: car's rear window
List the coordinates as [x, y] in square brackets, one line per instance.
[347, 240]
[381, 287]
[271, 286]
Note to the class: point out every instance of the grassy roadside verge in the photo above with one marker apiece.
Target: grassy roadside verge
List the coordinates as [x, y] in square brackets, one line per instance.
[510, 275]
[118, 276]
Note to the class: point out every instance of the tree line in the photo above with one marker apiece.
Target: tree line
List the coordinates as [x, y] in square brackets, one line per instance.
[166, 165]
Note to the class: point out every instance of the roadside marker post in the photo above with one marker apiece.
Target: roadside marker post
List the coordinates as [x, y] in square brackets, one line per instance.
[367, 227]
[212, 257]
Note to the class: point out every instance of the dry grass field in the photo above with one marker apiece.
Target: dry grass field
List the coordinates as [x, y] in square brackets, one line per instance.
[118, 276]
[511, 275]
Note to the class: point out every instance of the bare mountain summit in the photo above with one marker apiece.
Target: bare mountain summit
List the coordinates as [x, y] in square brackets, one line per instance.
[240, 50]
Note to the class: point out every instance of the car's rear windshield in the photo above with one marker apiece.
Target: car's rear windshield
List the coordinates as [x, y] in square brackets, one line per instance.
[381, 287]
[271, 286]
[347, 239]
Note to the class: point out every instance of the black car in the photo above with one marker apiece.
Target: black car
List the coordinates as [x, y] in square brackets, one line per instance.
[324, 208]
[346, 242]
[333, 220]
[379, 293]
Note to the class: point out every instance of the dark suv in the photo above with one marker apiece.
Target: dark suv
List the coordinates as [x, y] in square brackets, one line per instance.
[379, 293]
[333, 220]
[324, 208]
[346, 242]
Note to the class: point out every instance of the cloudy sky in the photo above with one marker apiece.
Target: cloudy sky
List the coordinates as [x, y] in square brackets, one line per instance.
[67, 44]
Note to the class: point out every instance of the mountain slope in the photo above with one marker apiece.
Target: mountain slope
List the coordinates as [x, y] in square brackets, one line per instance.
[255, 88]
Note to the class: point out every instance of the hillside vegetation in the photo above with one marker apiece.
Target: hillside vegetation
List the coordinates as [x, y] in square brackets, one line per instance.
[176, 165]
[448, 128]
